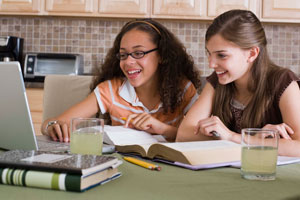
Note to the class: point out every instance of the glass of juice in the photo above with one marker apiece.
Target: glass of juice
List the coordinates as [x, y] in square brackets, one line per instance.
[86, 136]
[259, 154]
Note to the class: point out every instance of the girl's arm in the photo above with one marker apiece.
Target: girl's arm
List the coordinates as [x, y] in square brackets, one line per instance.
[144, 121]
[290, 110]
[60, 130]
[201, 109]
[289, 145]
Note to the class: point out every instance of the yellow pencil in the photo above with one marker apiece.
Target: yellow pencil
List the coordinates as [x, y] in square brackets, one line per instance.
[142, 163]
[124, 118]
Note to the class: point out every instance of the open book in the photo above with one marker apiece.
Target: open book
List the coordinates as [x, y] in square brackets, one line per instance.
[129, 140]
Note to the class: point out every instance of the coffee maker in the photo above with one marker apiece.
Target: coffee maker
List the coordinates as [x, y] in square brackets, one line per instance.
[11, 49]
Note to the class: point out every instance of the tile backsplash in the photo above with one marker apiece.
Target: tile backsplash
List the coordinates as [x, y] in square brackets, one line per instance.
[93, 37]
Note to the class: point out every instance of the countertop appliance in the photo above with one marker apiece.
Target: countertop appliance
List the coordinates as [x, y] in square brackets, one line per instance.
[11, 49]
[38, 65]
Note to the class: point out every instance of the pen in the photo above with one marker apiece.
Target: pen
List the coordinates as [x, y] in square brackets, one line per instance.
[142, 163]
[214, 133]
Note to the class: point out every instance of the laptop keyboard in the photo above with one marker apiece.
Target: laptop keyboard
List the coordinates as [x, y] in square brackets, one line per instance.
[46, 144]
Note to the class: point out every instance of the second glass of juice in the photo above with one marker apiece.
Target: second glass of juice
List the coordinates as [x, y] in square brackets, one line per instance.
[259, 154]
[86, 136]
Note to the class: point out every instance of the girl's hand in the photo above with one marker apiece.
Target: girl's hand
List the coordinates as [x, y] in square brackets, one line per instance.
[212, 126]
[145, 122]
[59, 132]
[283, 129]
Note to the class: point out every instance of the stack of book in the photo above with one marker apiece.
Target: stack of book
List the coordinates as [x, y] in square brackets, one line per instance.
[60, 171]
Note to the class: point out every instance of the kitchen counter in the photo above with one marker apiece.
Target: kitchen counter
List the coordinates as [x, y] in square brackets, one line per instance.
[34, 84]
[35, 97]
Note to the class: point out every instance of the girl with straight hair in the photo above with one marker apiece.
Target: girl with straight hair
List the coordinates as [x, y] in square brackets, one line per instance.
[246, 89]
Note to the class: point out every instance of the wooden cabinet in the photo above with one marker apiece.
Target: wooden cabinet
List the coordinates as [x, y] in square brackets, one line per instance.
[99, 8]
[182, 9]
[281, 11]
[199, 9]
[266, 10]
[35, 101]
[89, 8]
[70, 7]
[124, 8]
[20, 6]
[217, 7]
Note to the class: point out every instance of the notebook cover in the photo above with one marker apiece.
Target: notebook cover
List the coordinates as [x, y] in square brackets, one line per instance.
[56, 161]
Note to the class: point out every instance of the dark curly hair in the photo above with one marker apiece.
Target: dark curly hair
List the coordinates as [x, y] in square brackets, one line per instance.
[175, 65]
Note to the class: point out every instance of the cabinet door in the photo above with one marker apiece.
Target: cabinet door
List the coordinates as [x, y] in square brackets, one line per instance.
[124, 8]
[70, 6]
[282, 11]
[217, 7]
[180, 9]
[20, 6]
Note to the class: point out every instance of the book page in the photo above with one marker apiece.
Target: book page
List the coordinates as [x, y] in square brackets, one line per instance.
[146, 146]
[118, 135]
[285, 160]
[200, 145]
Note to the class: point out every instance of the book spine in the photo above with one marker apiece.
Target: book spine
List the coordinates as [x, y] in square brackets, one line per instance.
[39, 179]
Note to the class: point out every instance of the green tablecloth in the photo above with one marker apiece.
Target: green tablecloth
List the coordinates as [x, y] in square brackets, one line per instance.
[175, 183]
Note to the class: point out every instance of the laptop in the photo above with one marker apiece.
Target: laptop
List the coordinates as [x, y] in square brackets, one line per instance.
[16, 127]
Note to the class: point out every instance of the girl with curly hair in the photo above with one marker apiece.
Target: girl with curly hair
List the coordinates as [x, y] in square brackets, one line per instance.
[147, 82]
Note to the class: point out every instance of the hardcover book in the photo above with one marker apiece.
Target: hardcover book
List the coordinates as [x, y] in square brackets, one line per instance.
[57, 161]
[56, 181]
[198, 153]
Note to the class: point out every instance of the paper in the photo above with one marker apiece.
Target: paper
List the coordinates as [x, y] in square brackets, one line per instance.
[281, 160]
[118, 135]
[190, 146]
[196, 167]
[46, 158]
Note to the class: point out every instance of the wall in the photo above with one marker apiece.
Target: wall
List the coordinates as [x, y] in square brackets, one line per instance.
[93, 37]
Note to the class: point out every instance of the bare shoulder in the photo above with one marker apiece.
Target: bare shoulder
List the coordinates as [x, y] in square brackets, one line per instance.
[207, 92]
[291, 92]
[203, 105]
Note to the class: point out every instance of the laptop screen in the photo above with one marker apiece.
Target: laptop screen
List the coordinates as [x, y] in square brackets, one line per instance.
[16, 127]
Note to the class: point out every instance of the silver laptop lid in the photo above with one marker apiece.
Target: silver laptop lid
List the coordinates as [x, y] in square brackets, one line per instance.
[16, 127]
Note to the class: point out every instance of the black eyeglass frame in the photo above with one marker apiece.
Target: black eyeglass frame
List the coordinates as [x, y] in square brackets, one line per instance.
[132, 54]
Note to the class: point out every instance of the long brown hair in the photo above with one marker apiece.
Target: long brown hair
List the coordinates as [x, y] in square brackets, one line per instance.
[244, 29]
[175, 65]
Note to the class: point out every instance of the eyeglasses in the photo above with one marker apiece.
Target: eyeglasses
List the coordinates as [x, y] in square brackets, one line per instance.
[136, 54]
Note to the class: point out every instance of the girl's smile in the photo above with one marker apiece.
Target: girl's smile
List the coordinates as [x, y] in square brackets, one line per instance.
[133, 73]
[220, 73]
